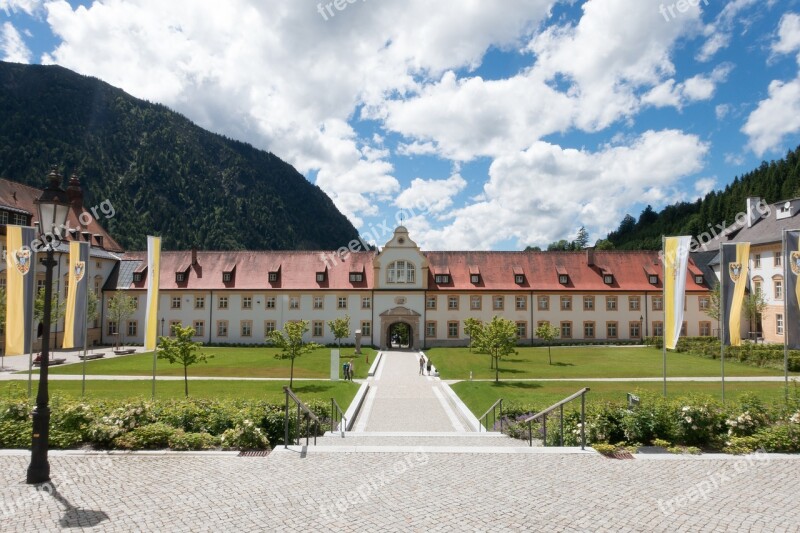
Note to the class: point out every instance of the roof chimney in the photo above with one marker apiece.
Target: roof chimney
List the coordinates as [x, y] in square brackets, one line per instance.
[194, 256]
[590, 255]
[753, 211]
[74, 192]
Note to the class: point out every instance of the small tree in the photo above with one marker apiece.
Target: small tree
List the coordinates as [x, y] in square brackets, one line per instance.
[183, 350]
[120, 308]
[498, 338]
[547, 333]
[57, 308]
[753, 305]
[471, 326]
[340, 327]
[290, 342]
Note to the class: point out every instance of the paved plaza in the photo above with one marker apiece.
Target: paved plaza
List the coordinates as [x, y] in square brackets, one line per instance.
[414, 464]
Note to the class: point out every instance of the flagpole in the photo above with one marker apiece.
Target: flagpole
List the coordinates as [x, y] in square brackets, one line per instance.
[663, 310]
[723, 318]
[86, 319]
[785, 260]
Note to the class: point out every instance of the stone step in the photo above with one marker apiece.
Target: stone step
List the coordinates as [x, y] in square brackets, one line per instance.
[443, 439]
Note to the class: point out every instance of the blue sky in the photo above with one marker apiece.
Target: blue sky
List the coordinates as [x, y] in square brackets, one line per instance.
[483, 125]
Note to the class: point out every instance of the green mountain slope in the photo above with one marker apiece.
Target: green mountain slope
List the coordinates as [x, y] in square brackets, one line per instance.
[774, 181]
[164, 175]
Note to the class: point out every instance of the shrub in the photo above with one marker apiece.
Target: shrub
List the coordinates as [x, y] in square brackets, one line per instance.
[149, 437]
[14, 434]
[245, 436]
[741, 445]
[652, 419]
[700, 423]
[183, 441]
[605, 449]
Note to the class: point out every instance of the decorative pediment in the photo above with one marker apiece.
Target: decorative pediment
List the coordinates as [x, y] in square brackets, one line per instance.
[400, 311]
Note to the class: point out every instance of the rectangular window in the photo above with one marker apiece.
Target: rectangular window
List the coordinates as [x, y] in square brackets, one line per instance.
[135, 302]
[318, 328]
[199, 328]
[366, 302]
[777, 259]
[294, 302]
[608, 279]
[544, 303]
[18, 219]
[430, 302]
[111, 329]
[341, 302]
[318, 302]
[366, 328]
[519, 279]
[442, 279]
[320, 277]
[172, 325]
[176, 302]
[452, 330]
[588, 330]
[611, 303]
[542, 323]
[474, 279]
[247, 302]
[566, 303]
[475, 303]
[199, 302]
[3, 217]
[611, 330]
[356, 277]
[635, 330]
[223, 302]
[653, 279]
[270, 302]
[757, 261]
[563, 279]
[658, 303]
[430, 329]
[521, 303]
[247, 328]
[704, 302]
[778, 289]
[634, 303]
[269, 326]
[227, 277]
[498, 303]
[273, 277]
[522, 330]
[658, 329]
[566, 330]
[452, 302]
[588, 303]
[222, 328]
[705, 329]
[779, 324]
[133, 328]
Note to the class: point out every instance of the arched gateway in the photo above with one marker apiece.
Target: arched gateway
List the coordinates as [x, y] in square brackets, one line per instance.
[400, 315]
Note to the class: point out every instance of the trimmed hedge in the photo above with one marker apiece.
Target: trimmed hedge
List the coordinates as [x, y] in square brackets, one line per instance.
[760, 355]
[185, 424]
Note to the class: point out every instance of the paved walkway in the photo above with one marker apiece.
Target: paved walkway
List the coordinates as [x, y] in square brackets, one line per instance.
[400, 400]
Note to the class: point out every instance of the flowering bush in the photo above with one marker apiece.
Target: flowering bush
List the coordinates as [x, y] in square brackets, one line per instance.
[245, 436]
[700, 423]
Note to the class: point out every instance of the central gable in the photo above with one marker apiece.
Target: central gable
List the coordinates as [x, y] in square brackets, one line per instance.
[400, 265]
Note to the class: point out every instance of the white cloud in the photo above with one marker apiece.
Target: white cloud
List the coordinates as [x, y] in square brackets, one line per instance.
[430, 196]
[788, 34]
[720, 32]
[16, 6]
[722, 111]
[775, 117]
[704, 186]
[12, 46]
[541, 194]
[697, 88]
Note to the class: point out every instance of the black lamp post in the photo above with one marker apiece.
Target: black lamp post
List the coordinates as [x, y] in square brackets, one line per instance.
[162, 327]
[53, 208]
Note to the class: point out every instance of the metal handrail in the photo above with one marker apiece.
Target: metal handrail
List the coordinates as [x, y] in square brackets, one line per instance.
[560, 406]
[493, 411]
[308, 415]
[337, 415]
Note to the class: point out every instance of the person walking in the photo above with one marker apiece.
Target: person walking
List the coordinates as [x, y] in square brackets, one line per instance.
[421, 365]
[429, 367]
[351, 370]
[345, 370]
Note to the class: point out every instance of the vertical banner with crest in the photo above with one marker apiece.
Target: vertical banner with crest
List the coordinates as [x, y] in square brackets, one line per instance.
[77, 296]
[734, 266]
[20, 289]
[676, 259]
[153, 271]
[791, 300]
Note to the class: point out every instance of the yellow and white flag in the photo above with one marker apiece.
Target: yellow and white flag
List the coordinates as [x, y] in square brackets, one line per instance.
[75, 318]
[20, 289]
[733, 279]
[676, 259]
[153, 271]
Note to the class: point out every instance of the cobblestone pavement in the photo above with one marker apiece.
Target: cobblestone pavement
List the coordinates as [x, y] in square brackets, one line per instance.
[402, 492]
[401, 400]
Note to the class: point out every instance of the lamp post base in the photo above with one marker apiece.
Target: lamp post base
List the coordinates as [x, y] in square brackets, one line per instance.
[39, 469]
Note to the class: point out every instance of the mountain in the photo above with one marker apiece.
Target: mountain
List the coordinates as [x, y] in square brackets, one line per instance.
[773, 181]
[163, 174]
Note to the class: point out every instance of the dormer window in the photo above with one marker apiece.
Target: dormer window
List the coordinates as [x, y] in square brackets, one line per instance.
[608, 279]
[320, 277]
[698, 279]
[138, 277]
[356, 277]
[180, 277]
[475, 279]
[227, 277]
[273, 277]
[442, 279]
[653, 279]
[519, 279]
[563, 279]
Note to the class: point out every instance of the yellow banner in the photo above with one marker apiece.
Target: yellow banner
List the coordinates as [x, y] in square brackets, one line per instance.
[69, 317]
[15, 293]
[153, 273]
[676, 257]
[735, 312]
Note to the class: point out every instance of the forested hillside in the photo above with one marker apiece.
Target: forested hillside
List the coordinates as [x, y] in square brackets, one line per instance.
[165, 175]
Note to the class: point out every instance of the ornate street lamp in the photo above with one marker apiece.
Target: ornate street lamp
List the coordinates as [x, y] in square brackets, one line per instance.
[52, 207]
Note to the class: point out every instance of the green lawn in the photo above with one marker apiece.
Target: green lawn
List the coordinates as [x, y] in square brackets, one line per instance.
[256, 362]
[480, 395]
[271, 391]
[585, 362]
